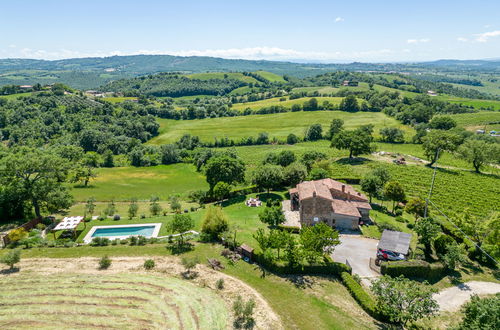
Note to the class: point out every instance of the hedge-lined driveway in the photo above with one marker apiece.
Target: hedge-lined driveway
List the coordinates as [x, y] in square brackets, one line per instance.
[357, 250]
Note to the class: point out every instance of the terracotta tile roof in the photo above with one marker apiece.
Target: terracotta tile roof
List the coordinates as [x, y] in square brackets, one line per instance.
[344, 207]
[362, 205]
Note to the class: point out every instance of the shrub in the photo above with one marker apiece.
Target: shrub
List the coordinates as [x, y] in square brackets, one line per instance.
[398, 212]
[143, 216]
[133, 240]
[104, 262]
[359, 294]
[441, 242]
[11, 258]
[141, 240]
[123, 241]
[116, 217]
[41, 226]
[382, 226]
[412, 269]
[481, 313]
[215, 222]
[149, 264]
[219, 284]
[243, 313]
[17, 234]
[100, 241]
[114, 242]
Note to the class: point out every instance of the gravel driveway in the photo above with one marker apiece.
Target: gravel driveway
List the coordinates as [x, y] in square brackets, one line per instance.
[357, 250]
[452, 298]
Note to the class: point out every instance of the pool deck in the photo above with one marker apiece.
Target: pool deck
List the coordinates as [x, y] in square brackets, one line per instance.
[88, 238]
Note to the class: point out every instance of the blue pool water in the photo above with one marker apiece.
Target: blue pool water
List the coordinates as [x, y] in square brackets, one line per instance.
[146, 231]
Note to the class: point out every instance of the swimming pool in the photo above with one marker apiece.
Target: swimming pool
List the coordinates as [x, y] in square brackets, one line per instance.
[123, 231]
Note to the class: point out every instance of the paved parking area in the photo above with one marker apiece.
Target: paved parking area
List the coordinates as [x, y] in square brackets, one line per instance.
[357, 250]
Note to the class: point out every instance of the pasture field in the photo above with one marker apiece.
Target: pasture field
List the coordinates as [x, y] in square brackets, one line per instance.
[475, 103]
[119, 99]
[272, 77]
[111, 301]
[124, 183]
[319, 89]
[15, 96]
[220, 75]
[488, 120]
[277, 125]
[275, 101]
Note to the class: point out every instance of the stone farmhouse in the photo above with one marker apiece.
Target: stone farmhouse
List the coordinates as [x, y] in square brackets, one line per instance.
[329, 201]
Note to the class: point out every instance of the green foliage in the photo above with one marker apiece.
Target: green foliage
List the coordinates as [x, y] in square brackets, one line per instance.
[149, 264]
[273, 215]
[292, 139]
[479, 152]
[17, 234]
[90, 207]
[313, 133]
[349, 103]
[427, 229]
[454, 256]
[317, 240]
[442, 122]
[268, 176]
[133, 208]
[11, 258]
[416, 206]
[336, 126]
[481, 313]
[224, 169]
[438, 141]
[394, 192]
[154, 207]
[179, 225]
[189, 263]
[175, 203]
[243, 313]
[441, 243]
[357, 142]
[294, 174]
[312, 156]
[360, 295]
[318, 173]
[215, 222]
[392, 135]
[221, 191]
[219, 284]
[418, 269]
[403, 300]
[104, 262]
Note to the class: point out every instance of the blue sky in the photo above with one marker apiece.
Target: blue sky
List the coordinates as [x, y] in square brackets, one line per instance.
[329, 31]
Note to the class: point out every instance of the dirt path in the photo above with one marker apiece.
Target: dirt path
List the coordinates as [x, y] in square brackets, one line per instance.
[264, 316]
[452, 298]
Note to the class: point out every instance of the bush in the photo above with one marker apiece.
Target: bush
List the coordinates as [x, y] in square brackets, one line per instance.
[360, 295]
[116, 217]
[114, 242]
[104, 262]
[382, 226]
[215, 222]
[398, 212]
[141, 240]
[412, 269]
[11, 258]
[243, 313]
[149, 264]
[100, 241]
[400, 219]
[441, 243]
[219, 284]
[133, 240]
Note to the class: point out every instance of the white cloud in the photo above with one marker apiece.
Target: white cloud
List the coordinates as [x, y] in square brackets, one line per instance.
[483, 37]
[339, 19]
[416, 41]
[462, 39]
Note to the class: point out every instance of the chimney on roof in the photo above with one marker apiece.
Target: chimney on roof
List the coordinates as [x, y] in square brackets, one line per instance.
[314, 193]
[359, 194]
[343, 188]
[349, 196]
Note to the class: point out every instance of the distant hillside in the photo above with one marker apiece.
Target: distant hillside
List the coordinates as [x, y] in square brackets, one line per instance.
[86, 73]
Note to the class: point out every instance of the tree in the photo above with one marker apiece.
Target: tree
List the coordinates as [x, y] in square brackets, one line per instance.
[104, 262]
[403, 300]
[442, 122]
[149, 264]
[357, 142]
[427, 230]
[318, 173]
[455, 255]
[336, 126]
[392, 134]
[479, 152]
[154, 207]
[189, 264]
[285, 158]
[317, 240]
[133, 208]
[382, 174]
[262, 239]
[224, 169]
[11, 258]
[295, 173]
[416, 206]
[215, 222]
[272, 215]
[479, 230]
[293, 254]
[313, 133]
[17, 234]
[278, 240]
[349, 103]
[292, 139]
[243, 313]
[84, 174]
[312, 156]
[108, 159]
[310, 105]
[371, 185]
[90, 206]
[394, 192]
[268, 176]
[481, 313]
[38, 176]
[180, 224]
[221, 191]
[437, 141]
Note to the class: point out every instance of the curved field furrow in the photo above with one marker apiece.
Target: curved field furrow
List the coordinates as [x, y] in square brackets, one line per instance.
[121, 301]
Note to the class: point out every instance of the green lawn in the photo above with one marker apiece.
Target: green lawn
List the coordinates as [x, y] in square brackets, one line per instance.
[124, 183]
[478, 104]
[272, 77]
[277, 125]
[286, 103]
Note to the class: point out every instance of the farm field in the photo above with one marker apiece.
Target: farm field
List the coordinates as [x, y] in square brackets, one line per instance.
[476, 103]
[275, 101]
[487, 120]
[277, 125]
[272, 77]
[14, 96]
[220, 75]
[113, 301]
[124, 183]
[119, 99]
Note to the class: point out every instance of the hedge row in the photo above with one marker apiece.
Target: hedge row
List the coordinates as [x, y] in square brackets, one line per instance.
[329, 267]
[412, 269]
[361, 296]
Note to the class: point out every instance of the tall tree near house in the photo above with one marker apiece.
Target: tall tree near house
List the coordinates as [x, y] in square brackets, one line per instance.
[403, 300]
[371, 185]
[479, 152]
[268, 176]
[180, 224]
[394, 192]
[358, 142]
[427, 230]
[224, 169]
[318, 240]
[416, 206]
[39, 175]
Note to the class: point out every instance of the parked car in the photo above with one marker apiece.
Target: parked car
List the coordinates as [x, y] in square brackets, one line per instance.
[389, 255]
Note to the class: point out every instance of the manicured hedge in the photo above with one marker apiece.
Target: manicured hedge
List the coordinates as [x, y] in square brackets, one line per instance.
[412, 269]
[329, 267]
[360, 295]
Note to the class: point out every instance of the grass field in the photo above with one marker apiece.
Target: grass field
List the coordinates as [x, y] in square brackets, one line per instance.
[272, 77]
[477, 104]
[487, 120]
[118, 301]
[124, 183]
[14, 96]
[277, 125]
[119, 99]
[220, 75]
[287, 103]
